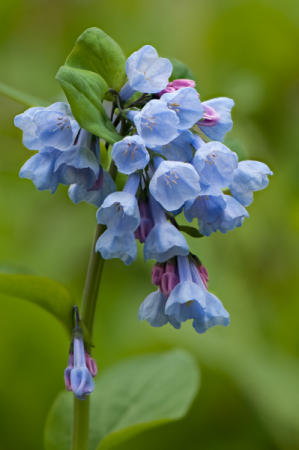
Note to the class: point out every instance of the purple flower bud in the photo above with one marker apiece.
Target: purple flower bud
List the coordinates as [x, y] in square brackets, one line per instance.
[67, 372]
[146, 222]
[169, 279]
[91, 364]
[203, 274]
[157, 273]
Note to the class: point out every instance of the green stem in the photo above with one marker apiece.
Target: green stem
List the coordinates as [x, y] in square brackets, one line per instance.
[20, 97]
[89, 300]
[80, 424]
[92, 283]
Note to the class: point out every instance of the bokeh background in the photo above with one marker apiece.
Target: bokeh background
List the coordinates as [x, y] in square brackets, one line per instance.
[249, 396]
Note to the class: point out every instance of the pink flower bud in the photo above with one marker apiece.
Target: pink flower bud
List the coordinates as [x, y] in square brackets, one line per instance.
[91, 364]
[175, 85]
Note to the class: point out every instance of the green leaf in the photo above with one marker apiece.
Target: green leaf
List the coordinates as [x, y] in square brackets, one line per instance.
[99, 53]
[20, 97]
[132, 396]
[49, 294]
[180, 70]
[191, 231]
[85, 91]
[95, 64]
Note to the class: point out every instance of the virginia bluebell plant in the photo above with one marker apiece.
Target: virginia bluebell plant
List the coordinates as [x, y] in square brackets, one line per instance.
[167, 143]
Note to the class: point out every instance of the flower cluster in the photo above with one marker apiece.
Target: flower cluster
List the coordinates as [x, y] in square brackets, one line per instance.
[66, 154]
[171, 150]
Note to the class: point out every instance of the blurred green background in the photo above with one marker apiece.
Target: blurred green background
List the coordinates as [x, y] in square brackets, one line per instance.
[249, 397]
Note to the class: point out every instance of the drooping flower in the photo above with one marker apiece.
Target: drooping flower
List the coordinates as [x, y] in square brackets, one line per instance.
[156, 124]
[187, 106]
[215, 211]
[78, 378]
[152, 309]
[96, 194]
[119, 211]
[215, 164]
[112, 245]
[173, 183]
[146, 71]
[217, 119]
[90, 364]
[53, 126]
[250, 176]
[78, 164]
[164, 240]
[190, 300]
[233, 215]
[40, 169]
[130, 154]
[215, 313]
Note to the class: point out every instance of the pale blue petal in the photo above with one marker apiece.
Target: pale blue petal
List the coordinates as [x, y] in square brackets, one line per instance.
[79, 166]
[186, 104]
[173, 183]
[119, 212]
[81, 382]
[215, 164]
[164, 242]
[180, 149]
[250, 176]
[215, 314]
[233, 215]
[26, 123]
[146, 71]
[222, 106]
[53, 126]
[40, 169]
[95, 196]
[112, 246]
[208, 209]
[156, 124]
[186, 301]
[130, 154]
[152, 309]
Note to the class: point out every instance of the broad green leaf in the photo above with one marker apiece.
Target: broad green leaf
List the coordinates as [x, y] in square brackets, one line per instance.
[132, 396]
[180, 70]
[20, 97]
[85, 91]
[99, 53]
[95, 64]
[191, 231]
[49, 294]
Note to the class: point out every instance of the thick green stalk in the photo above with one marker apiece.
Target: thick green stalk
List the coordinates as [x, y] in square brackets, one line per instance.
[88, 306]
